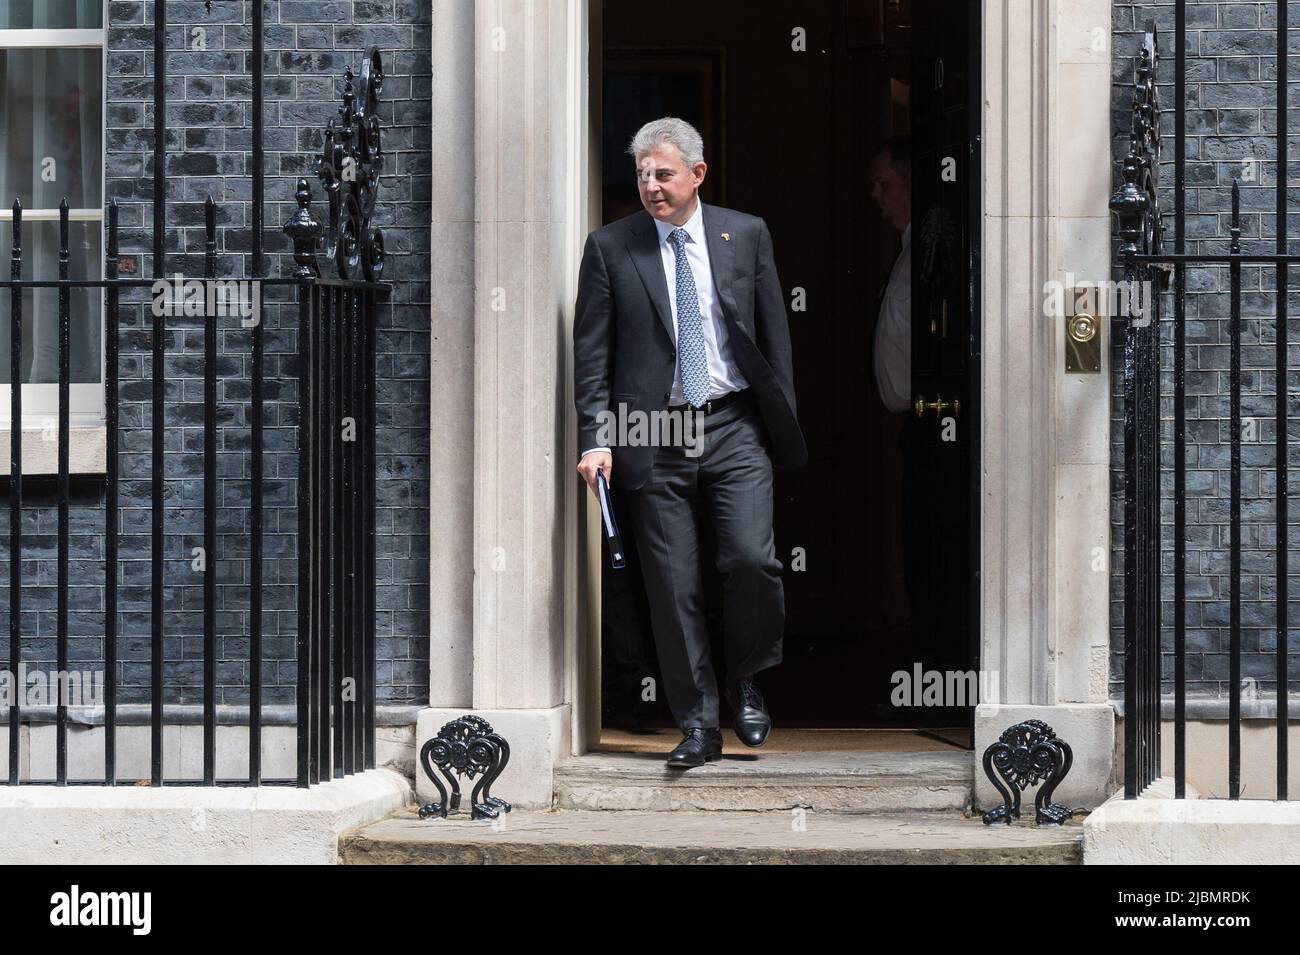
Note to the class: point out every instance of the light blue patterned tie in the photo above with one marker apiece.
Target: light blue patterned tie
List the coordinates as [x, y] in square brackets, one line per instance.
[691, 356]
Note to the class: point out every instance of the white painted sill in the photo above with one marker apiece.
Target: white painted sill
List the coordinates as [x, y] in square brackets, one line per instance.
[86, 447]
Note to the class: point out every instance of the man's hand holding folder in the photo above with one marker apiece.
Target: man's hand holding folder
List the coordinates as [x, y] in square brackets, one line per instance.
[595, 468]
[593, 463]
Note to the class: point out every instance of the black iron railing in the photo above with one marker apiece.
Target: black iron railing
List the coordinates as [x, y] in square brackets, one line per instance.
[336, 492]
[335, 692]
[1137, 206]
[336, 583]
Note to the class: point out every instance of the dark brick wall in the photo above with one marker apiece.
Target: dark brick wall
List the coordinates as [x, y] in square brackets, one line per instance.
[1231, 116]
[309, 43]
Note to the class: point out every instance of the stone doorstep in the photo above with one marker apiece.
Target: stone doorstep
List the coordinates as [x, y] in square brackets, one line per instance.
[693, 837]
[862, 782]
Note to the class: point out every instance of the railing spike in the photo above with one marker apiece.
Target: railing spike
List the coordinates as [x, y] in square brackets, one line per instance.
[18, 232]
[1235, 227]
[210, 224]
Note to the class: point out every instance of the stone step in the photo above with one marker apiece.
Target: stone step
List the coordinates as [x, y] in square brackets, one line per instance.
[824, 781]
[693, 837]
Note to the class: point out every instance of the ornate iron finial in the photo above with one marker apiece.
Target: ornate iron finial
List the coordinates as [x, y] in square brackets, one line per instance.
[1130, 206]
[469, 746]
[1136, 203]
[303, 230]
[350, 167]
[1024, 755]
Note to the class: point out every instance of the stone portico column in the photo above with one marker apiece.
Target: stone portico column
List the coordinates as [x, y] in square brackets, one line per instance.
[509, 83]
[1045, 516]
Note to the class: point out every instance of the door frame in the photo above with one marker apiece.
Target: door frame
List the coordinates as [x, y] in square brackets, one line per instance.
[975, 164]
[583, 643]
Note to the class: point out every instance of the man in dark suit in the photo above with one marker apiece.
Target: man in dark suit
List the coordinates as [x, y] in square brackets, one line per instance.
[680, 309]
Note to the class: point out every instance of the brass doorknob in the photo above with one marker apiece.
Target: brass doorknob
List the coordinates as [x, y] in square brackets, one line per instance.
[938, 406]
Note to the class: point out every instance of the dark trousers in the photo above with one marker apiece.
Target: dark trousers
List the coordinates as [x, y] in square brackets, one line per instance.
[731, 480]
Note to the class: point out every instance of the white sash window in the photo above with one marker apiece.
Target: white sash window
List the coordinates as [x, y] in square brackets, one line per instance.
[52, 82]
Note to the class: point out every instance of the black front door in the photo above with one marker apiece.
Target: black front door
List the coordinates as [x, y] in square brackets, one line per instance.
[875, 584]
[940, 489]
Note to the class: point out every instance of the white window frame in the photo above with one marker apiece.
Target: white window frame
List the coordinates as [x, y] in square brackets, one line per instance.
[86, 400]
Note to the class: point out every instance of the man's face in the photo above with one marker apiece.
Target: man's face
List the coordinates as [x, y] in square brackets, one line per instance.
[891, 190]
[667, 185]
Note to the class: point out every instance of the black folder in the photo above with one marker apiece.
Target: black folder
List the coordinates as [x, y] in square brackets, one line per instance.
[610, 524]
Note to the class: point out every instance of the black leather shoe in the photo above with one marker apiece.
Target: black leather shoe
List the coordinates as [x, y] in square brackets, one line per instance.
[749, 713]
[700, 745]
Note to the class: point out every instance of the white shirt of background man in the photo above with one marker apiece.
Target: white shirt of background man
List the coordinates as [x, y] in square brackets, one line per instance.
[893, 342]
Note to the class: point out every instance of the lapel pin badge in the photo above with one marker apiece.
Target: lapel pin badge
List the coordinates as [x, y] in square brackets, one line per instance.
[726, 237]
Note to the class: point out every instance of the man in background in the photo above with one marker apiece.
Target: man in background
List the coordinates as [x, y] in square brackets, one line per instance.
[890, 173]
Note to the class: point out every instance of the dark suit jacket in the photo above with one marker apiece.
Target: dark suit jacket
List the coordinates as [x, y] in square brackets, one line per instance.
[623, 348]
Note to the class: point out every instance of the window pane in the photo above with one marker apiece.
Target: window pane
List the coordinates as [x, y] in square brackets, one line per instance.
[40, 354]
[51, 14]
[51, 114]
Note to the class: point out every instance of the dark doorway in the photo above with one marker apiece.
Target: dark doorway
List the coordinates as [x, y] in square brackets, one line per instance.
[877, 532]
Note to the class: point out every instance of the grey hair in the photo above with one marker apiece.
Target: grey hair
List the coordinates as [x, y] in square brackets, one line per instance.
[669, 129]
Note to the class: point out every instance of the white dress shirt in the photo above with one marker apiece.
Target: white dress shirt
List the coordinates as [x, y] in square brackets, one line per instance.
[893, 342]
[724, 375]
